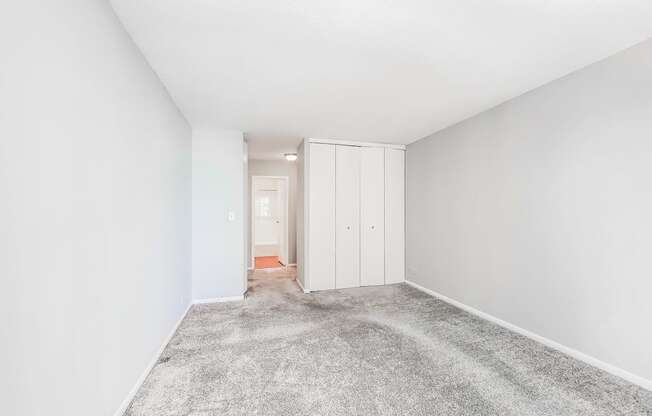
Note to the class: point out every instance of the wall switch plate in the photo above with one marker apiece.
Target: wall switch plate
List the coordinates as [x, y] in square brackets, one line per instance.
[231, 216]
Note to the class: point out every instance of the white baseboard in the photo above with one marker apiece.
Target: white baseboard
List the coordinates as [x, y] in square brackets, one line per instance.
[301, 286]
[218, 300]
[609, 368]
[132, 393]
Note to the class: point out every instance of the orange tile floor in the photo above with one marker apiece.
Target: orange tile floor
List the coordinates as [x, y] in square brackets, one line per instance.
[267, 262]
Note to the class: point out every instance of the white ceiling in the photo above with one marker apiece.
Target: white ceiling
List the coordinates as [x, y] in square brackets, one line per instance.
[373, 70]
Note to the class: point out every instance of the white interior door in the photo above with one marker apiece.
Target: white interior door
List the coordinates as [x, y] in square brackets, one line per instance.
[267, 216]
[321, 216]
[347, 213]
[282, 221]
[394, 216]
[372, 216]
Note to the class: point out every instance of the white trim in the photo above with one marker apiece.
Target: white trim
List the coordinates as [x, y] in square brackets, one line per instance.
[245, 224]
[301, 286]
[218, 300]
[291, 265]
[132, 393]
[609, 368]
[359, 144]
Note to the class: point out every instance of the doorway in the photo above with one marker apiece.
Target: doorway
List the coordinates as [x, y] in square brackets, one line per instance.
[269, 221]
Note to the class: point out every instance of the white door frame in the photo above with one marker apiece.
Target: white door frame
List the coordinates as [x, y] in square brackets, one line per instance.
[285, 214]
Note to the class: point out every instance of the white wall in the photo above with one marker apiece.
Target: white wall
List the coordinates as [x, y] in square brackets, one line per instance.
[538, 211]
[94, 210]
[217, 188]
[278, 168]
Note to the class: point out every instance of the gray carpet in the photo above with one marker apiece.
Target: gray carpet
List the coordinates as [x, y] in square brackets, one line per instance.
[388, 350]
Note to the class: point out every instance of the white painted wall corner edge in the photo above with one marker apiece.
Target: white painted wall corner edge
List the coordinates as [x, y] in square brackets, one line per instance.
[609, 368]
[132, 393]
[218, 300]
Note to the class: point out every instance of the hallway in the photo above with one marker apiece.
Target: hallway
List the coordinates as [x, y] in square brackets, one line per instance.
[272, 282]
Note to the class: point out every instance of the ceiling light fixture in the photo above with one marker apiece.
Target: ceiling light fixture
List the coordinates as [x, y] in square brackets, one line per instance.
[290, 156]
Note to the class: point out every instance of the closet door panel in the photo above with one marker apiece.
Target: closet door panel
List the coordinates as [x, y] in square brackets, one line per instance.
[321, 194]
[347, 213]
[372, 216]
[394, 216]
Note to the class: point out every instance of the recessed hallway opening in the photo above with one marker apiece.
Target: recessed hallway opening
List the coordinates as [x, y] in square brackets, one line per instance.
[271, 282]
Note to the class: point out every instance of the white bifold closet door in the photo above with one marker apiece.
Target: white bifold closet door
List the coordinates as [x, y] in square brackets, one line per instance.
[372, 216]
[321, 197]
[347, 213]
[394, 216]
